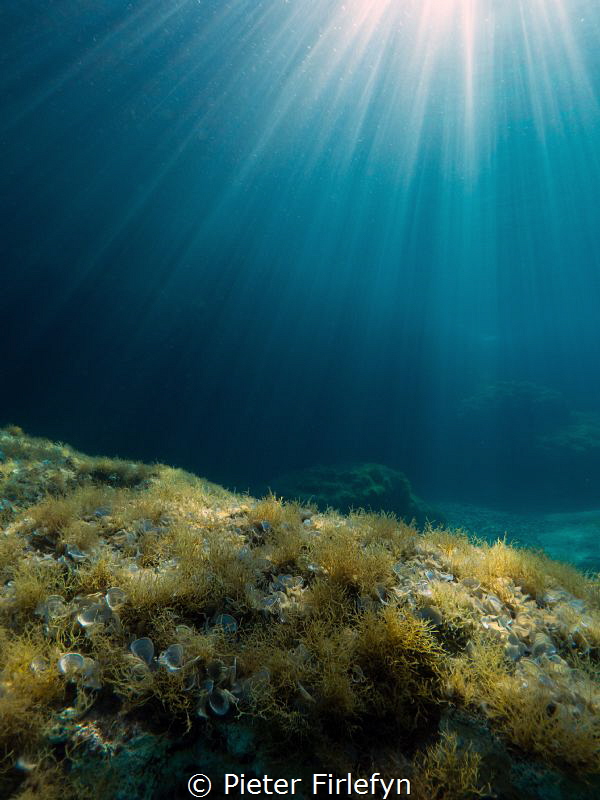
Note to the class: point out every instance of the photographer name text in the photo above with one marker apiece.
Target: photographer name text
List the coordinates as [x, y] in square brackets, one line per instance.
[321, 783]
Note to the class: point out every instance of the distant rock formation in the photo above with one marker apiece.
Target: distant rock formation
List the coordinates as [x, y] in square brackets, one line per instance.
[344, 487]
[524, 409]
[580, 435]
[520, 442]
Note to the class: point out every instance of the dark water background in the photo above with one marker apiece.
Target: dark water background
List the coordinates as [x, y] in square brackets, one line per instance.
[248, 237]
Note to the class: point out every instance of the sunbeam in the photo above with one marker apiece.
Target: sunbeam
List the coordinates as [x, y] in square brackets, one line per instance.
[362, 205]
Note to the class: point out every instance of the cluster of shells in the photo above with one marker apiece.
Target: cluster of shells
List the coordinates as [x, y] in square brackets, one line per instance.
[218, 686]
[92, 612]
[285, 595]
[531, 632]
[216, 683]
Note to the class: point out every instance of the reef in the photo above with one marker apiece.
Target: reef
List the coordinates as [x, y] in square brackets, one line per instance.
[344, 487]
[154, 625]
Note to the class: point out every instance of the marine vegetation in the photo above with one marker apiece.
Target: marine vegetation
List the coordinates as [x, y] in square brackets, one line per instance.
[154, 625]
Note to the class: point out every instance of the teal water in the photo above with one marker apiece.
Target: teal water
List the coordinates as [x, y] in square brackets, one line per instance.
[252, 237]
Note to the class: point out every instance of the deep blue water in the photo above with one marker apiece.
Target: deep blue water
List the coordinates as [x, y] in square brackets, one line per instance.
[249, 237]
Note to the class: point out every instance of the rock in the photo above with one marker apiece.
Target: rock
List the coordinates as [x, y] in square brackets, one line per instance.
[344, 487]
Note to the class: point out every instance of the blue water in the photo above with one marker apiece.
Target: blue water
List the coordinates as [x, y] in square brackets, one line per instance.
[250, 237]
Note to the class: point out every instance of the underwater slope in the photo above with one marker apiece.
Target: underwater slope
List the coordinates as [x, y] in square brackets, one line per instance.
[154, 626]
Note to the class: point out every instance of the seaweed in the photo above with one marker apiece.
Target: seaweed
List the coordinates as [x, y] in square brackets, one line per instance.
[162, 598]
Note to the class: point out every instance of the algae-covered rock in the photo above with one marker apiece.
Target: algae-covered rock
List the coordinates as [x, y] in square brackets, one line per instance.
[505, 773]
[350, 486]
[154, 626]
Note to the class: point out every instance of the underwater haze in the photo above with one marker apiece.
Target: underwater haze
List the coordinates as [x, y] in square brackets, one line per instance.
[256, 238]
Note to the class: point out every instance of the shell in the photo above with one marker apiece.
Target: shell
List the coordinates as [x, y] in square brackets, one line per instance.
[494, 626]
[172, 658]
[75, 554]
[493, 605]
[115, 598]
[201, 710]
[143, 648]
[55, 605]
[95, 614]
[513, 651]
[39, 664]
[382, 595]
[287, 583]
[219, 702]
[190, 680]
[542, 645]
[304, 694]
[70, 663]
[271, 602]
[431, 614]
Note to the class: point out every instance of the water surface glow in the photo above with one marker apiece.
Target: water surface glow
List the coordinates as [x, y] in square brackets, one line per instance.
[388, 201]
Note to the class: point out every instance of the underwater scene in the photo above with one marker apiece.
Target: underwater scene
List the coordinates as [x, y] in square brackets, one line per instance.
[300, 399]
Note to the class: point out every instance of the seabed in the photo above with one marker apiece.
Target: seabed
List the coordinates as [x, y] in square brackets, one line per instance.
[154, 626]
